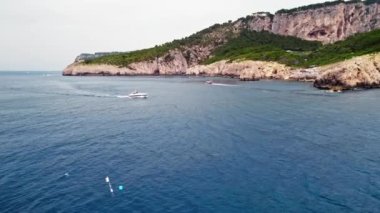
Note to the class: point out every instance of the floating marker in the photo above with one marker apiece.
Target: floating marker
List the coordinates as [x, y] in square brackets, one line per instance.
[121, 187]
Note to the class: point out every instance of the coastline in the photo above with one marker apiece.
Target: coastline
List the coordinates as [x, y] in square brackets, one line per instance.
[360, 72]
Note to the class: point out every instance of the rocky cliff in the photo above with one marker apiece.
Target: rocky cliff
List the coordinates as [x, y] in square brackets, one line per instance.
[359, 72]
[172, 63]
[326, 23]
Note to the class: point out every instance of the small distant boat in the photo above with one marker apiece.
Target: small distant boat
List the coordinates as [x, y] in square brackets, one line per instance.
[136, 94]
[209, 82]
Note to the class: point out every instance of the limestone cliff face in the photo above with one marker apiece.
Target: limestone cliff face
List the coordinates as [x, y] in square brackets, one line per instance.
[328, 24]
[173, 63]
[255, 22]
[245, 70]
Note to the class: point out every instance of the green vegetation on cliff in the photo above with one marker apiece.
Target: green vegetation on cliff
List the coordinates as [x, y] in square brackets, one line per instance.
[265, 46]
[202, 38]
[357, 45]
[124, 59]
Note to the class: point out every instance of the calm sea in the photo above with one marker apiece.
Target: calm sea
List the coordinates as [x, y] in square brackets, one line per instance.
[267, 146]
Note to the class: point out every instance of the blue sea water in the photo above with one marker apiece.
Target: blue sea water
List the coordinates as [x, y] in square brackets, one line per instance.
[267, 146]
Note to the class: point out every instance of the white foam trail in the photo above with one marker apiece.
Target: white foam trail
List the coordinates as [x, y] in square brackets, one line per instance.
[223, 85]
[123, 96]
[109, 184]
[99, 95]
[71, 89]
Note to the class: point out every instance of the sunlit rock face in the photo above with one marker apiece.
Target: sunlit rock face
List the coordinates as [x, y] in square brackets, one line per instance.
[328, 24]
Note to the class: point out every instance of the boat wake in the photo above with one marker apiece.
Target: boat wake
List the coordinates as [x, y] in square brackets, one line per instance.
[223, 85]
[123, 96]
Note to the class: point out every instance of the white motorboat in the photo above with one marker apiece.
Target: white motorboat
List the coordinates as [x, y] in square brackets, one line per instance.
[137, 94]
[209, 82]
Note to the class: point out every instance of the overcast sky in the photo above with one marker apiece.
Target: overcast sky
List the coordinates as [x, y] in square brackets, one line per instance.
[49, 34]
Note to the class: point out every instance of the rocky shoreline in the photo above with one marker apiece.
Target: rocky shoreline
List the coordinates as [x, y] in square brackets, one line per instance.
[359, 72]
